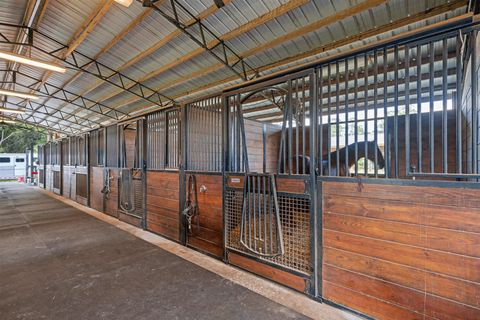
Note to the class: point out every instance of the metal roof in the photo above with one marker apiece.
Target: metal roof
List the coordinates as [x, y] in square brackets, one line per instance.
[201, 74]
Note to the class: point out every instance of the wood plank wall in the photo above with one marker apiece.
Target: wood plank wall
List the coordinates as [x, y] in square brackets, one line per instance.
[96, 186]
[111, 204]
[163, 203]
[254, 137]
[207, 235]
[402, 252]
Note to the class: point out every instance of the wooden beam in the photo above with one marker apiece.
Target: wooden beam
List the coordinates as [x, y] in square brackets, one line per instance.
[89, 25]
[327, 47]
[292, 35]
[210, 10]
[279, 11]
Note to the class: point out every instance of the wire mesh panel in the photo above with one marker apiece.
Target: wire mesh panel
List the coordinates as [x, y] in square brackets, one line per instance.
[204, 135]
[294, 214]
[163, 139]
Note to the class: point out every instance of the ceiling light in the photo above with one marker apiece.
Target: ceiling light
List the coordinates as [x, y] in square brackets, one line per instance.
[17, 94]
[7, 110]
[30, 61]
[125, 3]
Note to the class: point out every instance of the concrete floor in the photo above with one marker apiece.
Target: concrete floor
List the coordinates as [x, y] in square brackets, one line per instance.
[56, 262]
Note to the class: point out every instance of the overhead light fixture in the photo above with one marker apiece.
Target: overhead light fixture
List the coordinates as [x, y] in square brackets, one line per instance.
[125, 3]
[18, 94]
[7, 110]
[31, 62]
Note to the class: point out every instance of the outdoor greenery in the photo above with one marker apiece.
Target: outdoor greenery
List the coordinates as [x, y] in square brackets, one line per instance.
[15, 138]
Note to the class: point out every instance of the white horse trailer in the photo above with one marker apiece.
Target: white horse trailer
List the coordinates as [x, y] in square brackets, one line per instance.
[12, 165]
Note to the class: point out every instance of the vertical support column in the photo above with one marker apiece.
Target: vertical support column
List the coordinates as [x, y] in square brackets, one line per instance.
[182, 176]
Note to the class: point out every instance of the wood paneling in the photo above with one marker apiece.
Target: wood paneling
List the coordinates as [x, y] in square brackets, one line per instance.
[207, 232]
[254, 137]
[163, 203]
[402, 252]
[96, 186]
[288, 279]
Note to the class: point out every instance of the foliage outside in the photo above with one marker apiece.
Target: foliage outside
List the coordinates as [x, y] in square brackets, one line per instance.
[17, 138]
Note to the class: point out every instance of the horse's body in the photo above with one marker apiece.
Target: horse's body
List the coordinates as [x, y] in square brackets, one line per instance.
[344, 167]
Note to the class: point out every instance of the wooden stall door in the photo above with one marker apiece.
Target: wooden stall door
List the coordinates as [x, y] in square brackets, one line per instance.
[396, 251]
[206, 231]
[163, 205]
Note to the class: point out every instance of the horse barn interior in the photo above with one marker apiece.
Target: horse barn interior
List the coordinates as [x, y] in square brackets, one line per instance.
[318, 159]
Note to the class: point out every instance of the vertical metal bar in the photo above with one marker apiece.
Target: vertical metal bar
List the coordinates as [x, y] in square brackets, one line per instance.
[303, 104]
[346, 107]
[419, 111]
[355, 106]
[474, 103]
[407, 110]
[329, 129]
[264, 142]
[337, 114]
[431, 122]
[375, 110]
[290, 129]
[365, 129]
[320, 120]
[264, 213]
[444, 111]
[297, 171]
[237, 133]
[395, 116]
[385, 114]
[457, 99]
[254, 211]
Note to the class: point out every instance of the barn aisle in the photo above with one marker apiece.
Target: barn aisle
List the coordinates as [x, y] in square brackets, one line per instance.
[57, 262]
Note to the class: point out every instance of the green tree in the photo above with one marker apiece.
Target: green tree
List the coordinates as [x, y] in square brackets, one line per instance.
[16, 138]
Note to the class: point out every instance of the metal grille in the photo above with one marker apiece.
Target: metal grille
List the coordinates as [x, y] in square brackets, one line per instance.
[112, 146]
[156, 141]
[41, 176]
[96, 144]
[269, 126]
[295, 222]
[204, 135]
[66, 151]
[48, 156]
[260, 229]
[131, 192]
[163, 140]
[41, 155]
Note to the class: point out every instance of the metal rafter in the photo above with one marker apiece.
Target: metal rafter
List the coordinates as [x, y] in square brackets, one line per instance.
[35, 107]
[203, 36]
[84, 63]
[70, 97]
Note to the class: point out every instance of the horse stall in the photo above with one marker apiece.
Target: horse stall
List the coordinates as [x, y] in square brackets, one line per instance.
[132, 175]
[163, 175]
[201, 184]
[269, 180]
[353, 180]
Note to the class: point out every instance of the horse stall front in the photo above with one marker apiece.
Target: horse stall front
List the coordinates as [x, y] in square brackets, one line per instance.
[163, 175]
[48, 167]
[269, 180]
[56, 161]
[201, 185]
[399, 235]
[79, 177]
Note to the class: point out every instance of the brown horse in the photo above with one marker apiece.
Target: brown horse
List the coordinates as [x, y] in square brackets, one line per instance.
[344, 168]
